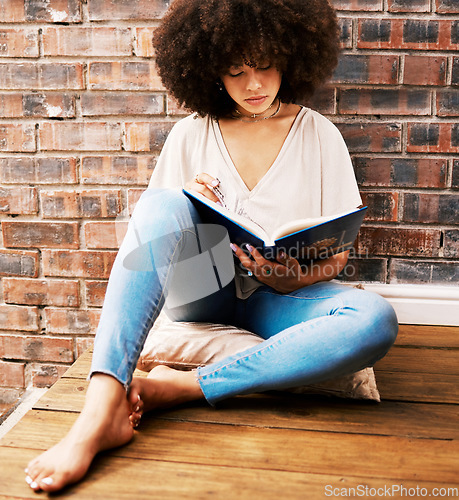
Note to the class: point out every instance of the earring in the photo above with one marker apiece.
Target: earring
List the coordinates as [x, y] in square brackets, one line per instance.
[219, 85]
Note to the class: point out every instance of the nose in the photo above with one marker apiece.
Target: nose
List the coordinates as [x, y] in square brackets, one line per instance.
[253, 82]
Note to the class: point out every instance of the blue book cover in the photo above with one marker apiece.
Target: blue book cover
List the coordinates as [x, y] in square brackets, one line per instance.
[303, 239]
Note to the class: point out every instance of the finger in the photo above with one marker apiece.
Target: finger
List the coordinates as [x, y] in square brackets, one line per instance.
[259, 259]
[204, 190]
[204, 184]
[246, 261]
[264, 268]
[287, 261]
[206, 179]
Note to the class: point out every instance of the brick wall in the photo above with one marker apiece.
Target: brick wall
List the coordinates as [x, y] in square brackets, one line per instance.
[83, 117]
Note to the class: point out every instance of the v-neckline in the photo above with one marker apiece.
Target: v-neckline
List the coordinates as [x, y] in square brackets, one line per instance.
[229, 161]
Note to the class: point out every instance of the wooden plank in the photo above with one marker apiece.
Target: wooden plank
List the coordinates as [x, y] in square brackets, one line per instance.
[387, 418]
[422, 387]
[428, 336]
[395, 386]
[80, 368]
[263, 448]
[420, 360]
[282, 410]
[113, 477]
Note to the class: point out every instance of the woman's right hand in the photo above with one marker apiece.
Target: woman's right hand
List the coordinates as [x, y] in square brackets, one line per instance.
[203, 183]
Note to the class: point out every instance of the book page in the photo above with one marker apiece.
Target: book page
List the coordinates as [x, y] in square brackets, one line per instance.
[300, 224]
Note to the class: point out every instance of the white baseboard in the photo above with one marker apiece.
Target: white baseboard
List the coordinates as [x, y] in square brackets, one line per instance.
[421, 304]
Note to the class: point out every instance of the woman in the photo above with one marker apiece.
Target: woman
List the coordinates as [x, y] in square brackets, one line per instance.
[240, 66]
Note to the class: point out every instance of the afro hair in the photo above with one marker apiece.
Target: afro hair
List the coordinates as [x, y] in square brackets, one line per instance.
[199, 40]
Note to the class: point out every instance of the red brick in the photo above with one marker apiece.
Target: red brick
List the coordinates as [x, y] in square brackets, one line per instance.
[416, 34]
[61, 293]
[345, 28]
[11, 105]
[73, 204]
[431, 208]
[80, 136]
[19, 263]
[44, 375]
[424, 70]
[12, 374]
[54, 11]
[95, 293]
[358, 5]
[385, 102]
[12, 11]
[174, 109]
[83, 344]
[122, 104]
[451, 244]
[17, 170]
[100, 235]
[323, 100]
[41, 76]
[17, 137]
[71, 321]
[372, 69]
[433, 138]
[36, 348]
[401, 172]
[409, 5]
[82, 264]
[19, 318]
[133, 197]
[403, 242]
[100, 203]
[124, 75]
[144, 42]
[49, 105]
[455, 175]
[19, 42]
[455, 72]
[146, 136]
[447, 6]
[448, 102]
[372, 137]
[421, 271]
[364, 270]
[382, 206]
[39, 234]
[37, 105]
[117, 169]
[94, 41]
[107, 10]
[20, 201]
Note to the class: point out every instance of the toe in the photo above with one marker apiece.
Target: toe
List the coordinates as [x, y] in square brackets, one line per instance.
[134, 397]
[51, 483]
[35, 481]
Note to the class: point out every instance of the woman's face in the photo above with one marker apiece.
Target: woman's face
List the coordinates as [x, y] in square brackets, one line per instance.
[253, 89]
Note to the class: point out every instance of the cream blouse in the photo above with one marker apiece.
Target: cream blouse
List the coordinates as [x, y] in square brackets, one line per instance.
[312, 175]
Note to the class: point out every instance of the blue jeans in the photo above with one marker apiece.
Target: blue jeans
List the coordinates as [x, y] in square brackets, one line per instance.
[312, 334]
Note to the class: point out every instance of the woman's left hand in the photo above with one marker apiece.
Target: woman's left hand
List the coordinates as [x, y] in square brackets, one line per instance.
[285, 275]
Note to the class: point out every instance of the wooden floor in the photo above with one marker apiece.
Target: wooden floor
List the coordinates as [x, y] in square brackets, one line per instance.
[275, 446]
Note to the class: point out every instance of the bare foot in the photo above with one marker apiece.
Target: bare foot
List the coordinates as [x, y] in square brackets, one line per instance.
[164, 387]
[103, 424]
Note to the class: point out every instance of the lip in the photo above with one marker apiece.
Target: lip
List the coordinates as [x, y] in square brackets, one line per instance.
[256, 100]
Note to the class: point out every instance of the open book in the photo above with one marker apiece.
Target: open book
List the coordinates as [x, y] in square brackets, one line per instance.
[303, 239]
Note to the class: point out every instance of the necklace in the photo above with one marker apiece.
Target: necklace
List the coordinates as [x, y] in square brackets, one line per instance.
[241, 116]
